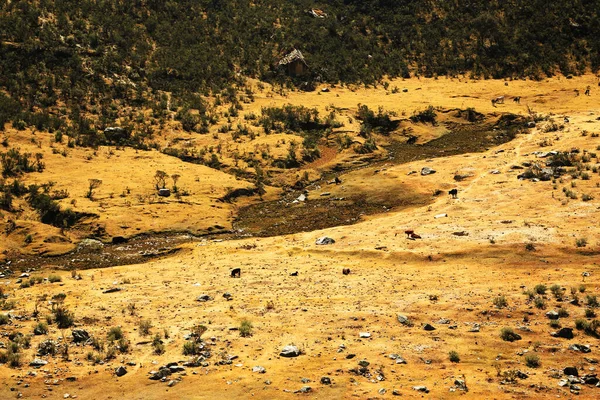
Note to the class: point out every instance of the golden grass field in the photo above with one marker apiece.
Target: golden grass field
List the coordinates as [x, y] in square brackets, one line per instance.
[440, 276]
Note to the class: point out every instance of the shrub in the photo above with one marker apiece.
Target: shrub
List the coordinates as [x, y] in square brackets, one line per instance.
[40, 329]
[4, 319]
[63, 317]
[581, 242]
[47, 348]
[589, 313]
[562, 313]
[532, 360]
[555, 324]
[540, 288]
[453, 356]
[157, 345]
[191, 348]
[123, 345]
[54, 279]
[427, 115]
[509, 335]
[592, 301]
[500, 302]
[115, 333]
[556, 291]
[245, 328]
[540, 303]
[145, 326]
[581, 324]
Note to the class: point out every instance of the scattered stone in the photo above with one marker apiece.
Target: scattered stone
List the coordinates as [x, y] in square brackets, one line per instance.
[403, 319]
[421, 389]
[552, 314]
[364, 363]
[305, 380]
[381, 391]
[565, 333]
[290, 351]
[236, 273]
[590, 379]
[120, 371]
[324, 241]
[80, 336]
[522, 375]
[429, 327]
[325, 380]
[304, 389]
[259, 369]
[171, 383]
[461, 384]
[350, 356]
[228, 296]
[580, 347]
[295, 273]
[476, 328]
[203, 298]
[444, 321]
[164, 192]
[38, 362]
[364, 335]
[570, 371]
[162, 373]
[90, 245]
[176, 368]
[396, 392]
[112, 290]
[427, 171]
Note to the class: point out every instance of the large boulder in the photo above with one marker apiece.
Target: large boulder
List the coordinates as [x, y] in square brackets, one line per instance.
[120, 371]
[427, 171]
[565, 333]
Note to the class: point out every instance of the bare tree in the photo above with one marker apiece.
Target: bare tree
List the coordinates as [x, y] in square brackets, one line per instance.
[160, 178]
[93, 184]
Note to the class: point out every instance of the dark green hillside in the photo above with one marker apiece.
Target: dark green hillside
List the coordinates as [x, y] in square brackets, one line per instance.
[77, 53]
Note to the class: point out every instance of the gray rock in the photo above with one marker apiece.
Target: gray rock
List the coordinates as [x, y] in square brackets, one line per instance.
[176, 368]
[429, 327]
[305, 380]
[203, 298]
[324, 241]
[421, 389]
[400, 360]
[228, 296]
[172, 383]
[80, 336]
[90, 245]
[162, 373]
[563, 382]
[325, 380]
[259, 369]
[164, 192]
[350, 356]
[580, 347]
[403, 319]
[591, 379]
[476, 328]
[552, 314]
[396, 392]
[120, 370]
[565, 333]
[571, 371]
[305, 389]
[364, 335]
[427, 171]
[364, 363]
[460, 384]
[112, 290]
[381, 391]
[444, 321]
[290, 351]
[38, 362]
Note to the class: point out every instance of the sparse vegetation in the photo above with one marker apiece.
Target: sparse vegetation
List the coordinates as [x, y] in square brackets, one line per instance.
[532, 360]
[453, 356]
[144, 327]
[245, 328]
[509, 335]
[500, 302]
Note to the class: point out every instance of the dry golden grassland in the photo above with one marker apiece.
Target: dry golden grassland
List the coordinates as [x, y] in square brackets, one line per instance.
[477, 263]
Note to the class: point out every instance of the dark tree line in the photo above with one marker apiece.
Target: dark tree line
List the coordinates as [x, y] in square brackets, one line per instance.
[91, 52]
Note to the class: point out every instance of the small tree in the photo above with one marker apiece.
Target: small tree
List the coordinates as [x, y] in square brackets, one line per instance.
[93, 184]
[175, 178]
[160, 179]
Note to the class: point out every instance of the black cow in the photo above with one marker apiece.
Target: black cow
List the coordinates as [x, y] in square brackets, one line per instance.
[346, 271]
[236, 273]
[453, 193]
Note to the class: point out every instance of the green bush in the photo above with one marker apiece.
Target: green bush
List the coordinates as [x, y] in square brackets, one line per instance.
[509, 335]
[540, 288]
[4, 319]
[40, 328]
[245, 328]
[500, 302]
[115, 333]
[191, 348]
[540, 303]
[144, 327]
[54, 279]
[532, 360]
[63, 317]
[453, 356]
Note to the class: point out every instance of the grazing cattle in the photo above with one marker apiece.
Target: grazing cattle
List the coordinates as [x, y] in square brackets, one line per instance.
[294, 273]
[346, 271]
[414, 236]
[587, 90]
[409, 232]
[453, 193]
[337, 180]
[498, 100]
[236, 273]
[517, 99]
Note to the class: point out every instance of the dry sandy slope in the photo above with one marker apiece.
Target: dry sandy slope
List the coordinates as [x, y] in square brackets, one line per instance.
[321, 309]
